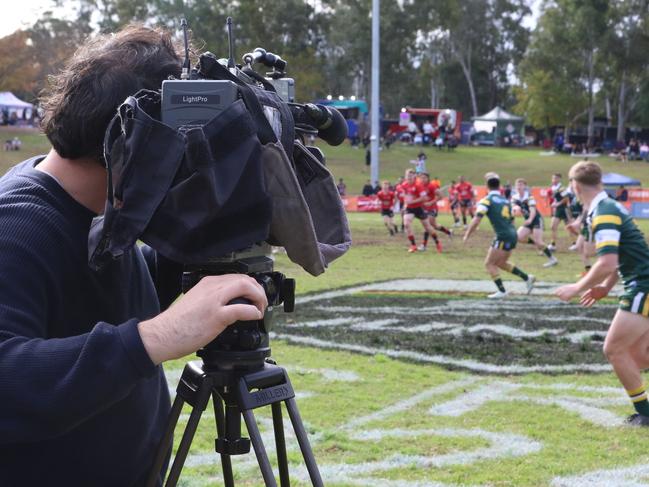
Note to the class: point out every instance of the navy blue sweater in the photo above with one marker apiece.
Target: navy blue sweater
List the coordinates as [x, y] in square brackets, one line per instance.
[81, 403]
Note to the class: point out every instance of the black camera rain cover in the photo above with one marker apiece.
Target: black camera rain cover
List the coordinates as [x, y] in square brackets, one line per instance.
[192, 194]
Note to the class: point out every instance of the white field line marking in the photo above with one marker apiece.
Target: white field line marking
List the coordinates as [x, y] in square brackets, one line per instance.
[503, 330]
[474, 399]
[567, 386]
[443, 311]
[580, 336]
[331, 375]
[502, 445]
[326, 323]
[440, 359]
[441, 285]
[410, 402]
[619, 477]
[374, 482]
[595, 415]
[375, 325]
[501, 391]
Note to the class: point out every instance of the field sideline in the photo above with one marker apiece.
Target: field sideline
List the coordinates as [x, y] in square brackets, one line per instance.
[438, 389]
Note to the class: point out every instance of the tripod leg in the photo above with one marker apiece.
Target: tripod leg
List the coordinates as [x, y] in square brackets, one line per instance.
[280, 444]
[226, 462]
[303, 440]
[202, 397]
[165, 442]
[260, 451]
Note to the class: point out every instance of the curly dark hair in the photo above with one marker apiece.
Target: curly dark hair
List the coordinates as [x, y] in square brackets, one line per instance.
[81, 100]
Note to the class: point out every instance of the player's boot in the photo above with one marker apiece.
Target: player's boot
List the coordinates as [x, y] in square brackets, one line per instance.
[421, 248]
[573, 247]
[413, 248]
[438, 245]
[498, 295]
[552, 261]
[530, 283]
[637, 420]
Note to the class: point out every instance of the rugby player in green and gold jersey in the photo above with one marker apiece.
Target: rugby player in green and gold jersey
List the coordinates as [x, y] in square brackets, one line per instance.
[498, 210]
[533, 221]
[621, 248]
[561, 197]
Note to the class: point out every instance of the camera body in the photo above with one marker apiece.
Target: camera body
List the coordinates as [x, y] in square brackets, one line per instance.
[195, 102]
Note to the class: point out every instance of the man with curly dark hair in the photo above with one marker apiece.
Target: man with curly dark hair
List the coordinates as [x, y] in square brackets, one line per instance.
[84, 398]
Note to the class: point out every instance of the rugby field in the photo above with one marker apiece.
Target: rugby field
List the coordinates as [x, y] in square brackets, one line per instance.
[416, 383]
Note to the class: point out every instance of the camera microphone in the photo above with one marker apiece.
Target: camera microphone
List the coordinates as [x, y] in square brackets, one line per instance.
[254, 56]
[331, 125]
[266, 58]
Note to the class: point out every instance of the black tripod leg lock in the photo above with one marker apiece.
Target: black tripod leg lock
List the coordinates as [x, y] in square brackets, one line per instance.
[195, 386]
[267, 386]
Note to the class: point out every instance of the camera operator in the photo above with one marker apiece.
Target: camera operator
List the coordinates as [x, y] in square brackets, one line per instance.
[84, 398]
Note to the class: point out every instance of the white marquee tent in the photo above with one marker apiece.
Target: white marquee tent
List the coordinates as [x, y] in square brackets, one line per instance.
[9, 104]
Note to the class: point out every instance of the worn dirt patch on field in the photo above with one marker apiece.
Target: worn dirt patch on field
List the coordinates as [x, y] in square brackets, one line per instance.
[520, 334]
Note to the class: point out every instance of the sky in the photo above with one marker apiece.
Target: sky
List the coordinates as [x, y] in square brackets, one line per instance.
[23, 13]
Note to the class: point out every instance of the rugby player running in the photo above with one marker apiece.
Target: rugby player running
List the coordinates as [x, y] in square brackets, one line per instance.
[498, 210]
[533, 224]
[465, 195]
[414, 196]
[387, 197]
[561, 197]
[620, 248]
[430, 206]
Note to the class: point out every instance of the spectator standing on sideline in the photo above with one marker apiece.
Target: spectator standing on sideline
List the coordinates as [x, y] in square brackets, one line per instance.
[342, 187]
[368, 189]
[622, 194]
[644, 151]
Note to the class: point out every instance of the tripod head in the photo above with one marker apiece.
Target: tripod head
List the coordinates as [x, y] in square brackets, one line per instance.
[244, 345]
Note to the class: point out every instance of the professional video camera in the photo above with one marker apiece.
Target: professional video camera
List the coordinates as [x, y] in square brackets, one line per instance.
[211, 172]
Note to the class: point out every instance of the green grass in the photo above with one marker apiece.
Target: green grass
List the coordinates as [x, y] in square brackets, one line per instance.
[569, 444]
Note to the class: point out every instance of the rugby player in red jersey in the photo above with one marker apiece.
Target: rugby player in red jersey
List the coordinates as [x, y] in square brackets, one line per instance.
[465, 195]
[430, 205]
[414, 196]
[454, 202]
[387, 197]
[400, 206]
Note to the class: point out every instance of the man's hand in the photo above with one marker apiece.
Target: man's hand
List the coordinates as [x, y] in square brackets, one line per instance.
[202, 314]
[567, 292]
[574, 226]
[593, 295]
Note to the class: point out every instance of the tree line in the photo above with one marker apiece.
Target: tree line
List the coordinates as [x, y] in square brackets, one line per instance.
[583, 58]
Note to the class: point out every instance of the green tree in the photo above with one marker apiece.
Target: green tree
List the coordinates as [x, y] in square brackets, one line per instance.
[626, 57]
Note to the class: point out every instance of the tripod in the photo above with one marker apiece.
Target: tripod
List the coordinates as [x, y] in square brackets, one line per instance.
[235, 392]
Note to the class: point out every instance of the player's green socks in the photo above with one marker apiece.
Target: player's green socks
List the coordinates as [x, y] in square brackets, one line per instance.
[639, 399]
[547, 252]
[499, 284]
